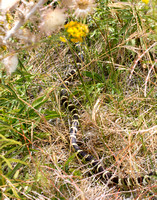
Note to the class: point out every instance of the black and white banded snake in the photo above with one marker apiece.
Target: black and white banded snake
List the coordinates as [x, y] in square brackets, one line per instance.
[107, 176]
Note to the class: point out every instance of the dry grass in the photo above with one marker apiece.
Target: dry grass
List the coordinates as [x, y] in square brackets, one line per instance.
[117, 100]
[118, 129]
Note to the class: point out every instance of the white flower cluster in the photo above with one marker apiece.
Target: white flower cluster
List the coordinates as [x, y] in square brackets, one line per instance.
[83, 7]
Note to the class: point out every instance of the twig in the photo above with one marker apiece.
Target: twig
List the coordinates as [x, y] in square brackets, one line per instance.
[140, 58]
[22, 20]
[147, 78]
[49, 5]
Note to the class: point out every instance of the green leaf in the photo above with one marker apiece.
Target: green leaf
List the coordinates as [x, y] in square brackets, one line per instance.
[50, 114]
[13, 188]
[6, 160]
[6, 144]
[12, 92]
[39, 101]
[71, 158]
[19, 164]
[9, 140]
[13, 150]
[93, 75]
[17, 161]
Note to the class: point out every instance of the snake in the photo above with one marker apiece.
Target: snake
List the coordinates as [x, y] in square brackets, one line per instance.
[106, 176]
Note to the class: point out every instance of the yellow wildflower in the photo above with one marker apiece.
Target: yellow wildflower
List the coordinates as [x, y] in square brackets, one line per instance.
[9, 18]
[4, 47]
[77, 40]
[76, 31]
[71, 23]
[145, 1]
[63, 39]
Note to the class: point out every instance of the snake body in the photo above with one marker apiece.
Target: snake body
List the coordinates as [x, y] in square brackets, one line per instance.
[107, 176]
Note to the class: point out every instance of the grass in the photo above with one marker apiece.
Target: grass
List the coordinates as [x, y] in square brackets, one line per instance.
[118, 114]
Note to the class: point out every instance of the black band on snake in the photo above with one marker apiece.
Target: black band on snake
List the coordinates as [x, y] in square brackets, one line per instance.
[106, 176]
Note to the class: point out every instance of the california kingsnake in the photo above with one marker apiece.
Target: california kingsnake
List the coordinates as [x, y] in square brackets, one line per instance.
[106, 176]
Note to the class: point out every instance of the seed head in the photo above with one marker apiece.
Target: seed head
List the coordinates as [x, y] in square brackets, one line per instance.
[10, 63]
[7, 4]
[52, 20]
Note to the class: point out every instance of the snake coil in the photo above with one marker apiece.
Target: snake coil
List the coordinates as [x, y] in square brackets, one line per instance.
[106, 175]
